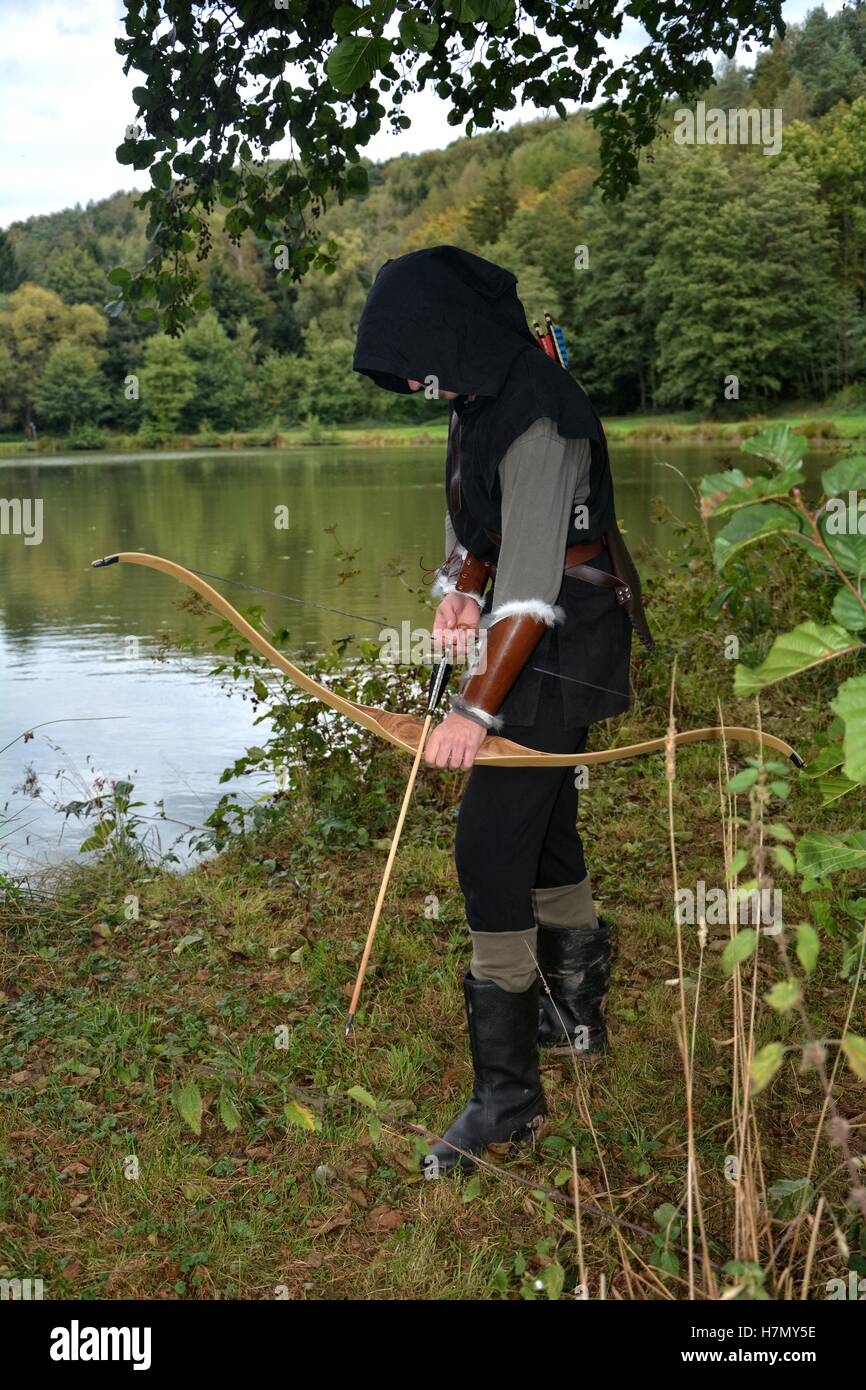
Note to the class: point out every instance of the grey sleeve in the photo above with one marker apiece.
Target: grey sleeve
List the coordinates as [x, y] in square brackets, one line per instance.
[450, 536]
[542, 477]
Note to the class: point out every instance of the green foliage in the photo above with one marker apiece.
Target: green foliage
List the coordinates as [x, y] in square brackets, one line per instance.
[71, 390]
[353, 71]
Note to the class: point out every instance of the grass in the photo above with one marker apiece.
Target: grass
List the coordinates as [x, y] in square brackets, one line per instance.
[820, 424]
[108, 1016]
[134, 995]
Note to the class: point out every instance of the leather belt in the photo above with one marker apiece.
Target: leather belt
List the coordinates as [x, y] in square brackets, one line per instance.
[575, 555]
[581, 553]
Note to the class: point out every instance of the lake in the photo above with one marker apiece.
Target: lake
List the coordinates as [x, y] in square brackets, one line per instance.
[89, 647]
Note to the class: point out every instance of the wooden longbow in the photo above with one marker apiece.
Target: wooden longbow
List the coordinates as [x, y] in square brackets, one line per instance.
[404, 730]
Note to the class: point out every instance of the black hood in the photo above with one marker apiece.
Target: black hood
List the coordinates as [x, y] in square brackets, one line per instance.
[448, 314]
[445, 313]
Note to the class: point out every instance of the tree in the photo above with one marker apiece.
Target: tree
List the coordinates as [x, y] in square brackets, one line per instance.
[226, 82]
[731, 233]
[826, 57]
[326, 385]
[219, 392]
[166, 386]
[487, 216]
[611, 330]
[9, 274]
[33, 323]
[71, 390]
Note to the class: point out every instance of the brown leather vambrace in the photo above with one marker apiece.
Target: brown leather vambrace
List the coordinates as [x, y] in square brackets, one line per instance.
[464, 575]
[473, 577]
[510, 643]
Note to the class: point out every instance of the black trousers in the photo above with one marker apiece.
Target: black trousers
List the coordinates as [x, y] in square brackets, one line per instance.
[516, 829]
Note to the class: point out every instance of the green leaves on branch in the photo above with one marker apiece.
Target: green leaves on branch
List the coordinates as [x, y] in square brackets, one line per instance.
[354, 61]
[794, 652]
[749, 523]
[724, 492]
[820, 853]
[778, 445]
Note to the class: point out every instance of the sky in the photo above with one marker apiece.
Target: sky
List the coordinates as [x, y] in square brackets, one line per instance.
[65, 103]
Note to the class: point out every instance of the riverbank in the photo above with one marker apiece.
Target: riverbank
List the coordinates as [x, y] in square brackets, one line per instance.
[183, 1118]
[821, 429]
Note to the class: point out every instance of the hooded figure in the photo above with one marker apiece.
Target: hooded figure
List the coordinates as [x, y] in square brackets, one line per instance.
[529, 500]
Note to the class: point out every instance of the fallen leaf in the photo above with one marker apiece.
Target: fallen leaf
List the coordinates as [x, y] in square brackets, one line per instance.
[384, 1218]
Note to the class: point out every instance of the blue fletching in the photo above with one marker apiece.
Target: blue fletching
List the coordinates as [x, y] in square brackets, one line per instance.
[560, 342]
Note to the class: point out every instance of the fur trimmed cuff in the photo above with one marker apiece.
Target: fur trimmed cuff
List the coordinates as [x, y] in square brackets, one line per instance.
[546, 613]
[443, 585]
[491, 722]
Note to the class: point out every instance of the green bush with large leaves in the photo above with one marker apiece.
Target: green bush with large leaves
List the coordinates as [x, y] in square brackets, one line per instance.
[757, 509]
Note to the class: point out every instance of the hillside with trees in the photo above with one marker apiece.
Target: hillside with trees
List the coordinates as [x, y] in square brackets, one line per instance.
[720, 261]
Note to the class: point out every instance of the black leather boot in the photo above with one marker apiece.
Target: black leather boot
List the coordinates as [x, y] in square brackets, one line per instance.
[574, 964]
[507, 1099]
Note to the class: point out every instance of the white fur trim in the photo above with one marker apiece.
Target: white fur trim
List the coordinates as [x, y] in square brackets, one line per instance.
[468, 594]
[493, 722]
[546, 613]
[443, 585]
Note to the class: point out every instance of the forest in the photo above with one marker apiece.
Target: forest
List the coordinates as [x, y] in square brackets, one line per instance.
[769, 248]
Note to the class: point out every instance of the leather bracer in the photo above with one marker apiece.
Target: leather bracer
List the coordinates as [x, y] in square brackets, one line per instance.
[511, 640]
[464, 574]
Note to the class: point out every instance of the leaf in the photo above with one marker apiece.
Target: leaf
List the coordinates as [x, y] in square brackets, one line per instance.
[820, 854]
[739, 948]
[471, 1190]
[417, 34]
[160, 175]
[748, 524]
[743, 781]
[848, 548]
[354, 61]
[854, 1048]
[778, 445]
[791, 1196]
[808, 946]
[784, 995]
[362, 1097]
[845, 476]
[301, 1115]
[765, 1064]
[850, 705]
[847, 612]
[785, 859]
[792, 653]
[498, 13]
[357, 180]
[724, 492]
[187, 1099]
[738, 863]
[189, 940]
[229, 1114]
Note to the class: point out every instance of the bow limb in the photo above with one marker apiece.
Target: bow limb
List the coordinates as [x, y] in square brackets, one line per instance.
[404, 730]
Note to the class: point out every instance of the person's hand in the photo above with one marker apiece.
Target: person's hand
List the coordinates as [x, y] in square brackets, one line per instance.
[454, 742]
[456, 617]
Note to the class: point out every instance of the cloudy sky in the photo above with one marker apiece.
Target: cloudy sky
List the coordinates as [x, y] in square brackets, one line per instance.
[64, 104]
